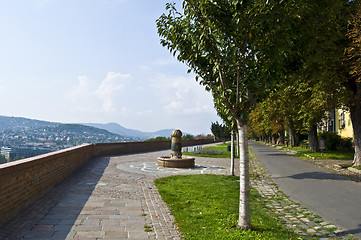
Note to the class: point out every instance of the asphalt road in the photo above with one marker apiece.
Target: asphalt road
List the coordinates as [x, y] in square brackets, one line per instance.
[335, 198]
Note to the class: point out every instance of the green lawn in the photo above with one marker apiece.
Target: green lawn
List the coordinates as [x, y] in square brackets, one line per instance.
[328, 154]
[206, 207]
[218, 151]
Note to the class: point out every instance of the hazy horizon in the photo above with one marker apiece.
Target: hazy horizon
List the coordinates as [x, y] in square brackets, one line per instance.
[96, 62]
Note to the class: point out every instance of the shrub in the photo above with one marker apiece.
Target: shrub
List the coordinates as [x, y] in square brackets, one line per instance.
[336, 142]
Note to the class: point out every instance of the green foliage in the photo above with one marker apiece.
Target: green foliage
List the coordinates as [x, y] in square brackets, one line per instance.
[185, 137]
[354, 49]
[205, 207]
[158, 139]
[188, 137]
[313, 72]
[336, 142]
[220, 131]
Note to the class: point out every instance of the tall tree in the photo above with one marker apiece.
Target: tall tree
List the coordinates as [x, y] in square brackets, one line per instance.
[235, 48]
[353, 85]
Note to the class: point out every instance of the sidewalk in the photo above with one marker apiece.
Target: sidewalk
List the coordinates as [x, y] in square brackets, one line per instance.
[331, 196]
[115, 198]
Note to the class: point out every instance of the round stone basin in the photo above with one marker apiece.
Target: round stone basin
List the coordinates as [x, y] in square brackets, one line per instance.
[168, 162]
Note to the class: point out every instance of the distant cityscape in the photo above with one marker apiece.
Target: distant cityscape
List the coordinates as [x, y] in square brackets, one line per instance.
[28, 142]
[22, 138]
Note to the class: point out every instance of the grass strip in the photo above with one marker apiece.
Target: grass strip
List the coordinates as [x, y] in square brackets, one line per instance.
[206, 207]
[217, 151]
[332, 155]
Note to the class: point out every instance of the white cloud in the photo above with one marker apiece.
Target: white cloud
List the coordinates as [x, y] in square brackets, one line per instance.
[112, 84]
[97, 97]
[182, 95]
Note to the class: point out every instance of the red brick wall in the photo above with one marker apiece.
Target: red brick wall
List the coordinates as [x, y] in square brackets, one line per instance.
[23, 181]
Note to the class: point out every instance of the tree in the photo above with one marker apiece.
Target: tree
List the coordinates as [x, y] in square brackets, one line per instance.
[234, 47]
[313, 76]
[353, 84]
[220, 131]
[320, 78]
[187, 137]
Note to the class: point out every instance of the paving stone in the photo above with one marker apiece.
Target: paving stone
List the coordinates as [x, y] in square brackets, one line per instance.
[87, 228]
[311, 230]
[116, 234]
[89, 234]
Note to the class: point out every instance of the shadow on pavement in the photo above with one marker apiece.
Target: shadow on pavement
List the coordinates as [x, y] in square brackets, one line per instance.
[355, 231]
[317, 175]
[54, 214]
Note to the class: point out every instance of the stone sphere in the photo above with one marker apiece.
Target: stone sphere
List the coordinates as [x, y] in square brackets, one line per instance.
[176, 133]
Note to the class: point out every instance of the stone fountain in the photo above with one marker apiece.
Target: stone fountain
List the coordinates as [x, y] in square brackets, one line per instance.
[175, 160]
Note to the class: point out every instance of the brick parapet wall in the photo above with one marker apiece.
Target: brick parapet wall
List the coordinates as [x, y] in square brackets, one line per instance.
[23, 181]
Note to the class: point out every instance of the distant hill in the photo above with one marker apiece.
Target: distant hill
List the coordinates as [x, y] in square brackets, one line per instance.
[16, 123]
[118, 129]
[78, 129]
[85, 133]
[12, 123]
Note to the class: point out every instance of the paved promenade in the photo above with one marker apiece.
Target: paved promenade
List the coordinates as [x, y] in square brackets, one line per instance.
[115, 198]
[332, 196]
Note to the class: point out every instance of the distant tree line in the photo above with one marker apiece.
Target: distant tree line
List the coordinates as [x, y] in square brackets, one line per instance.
[156, 139]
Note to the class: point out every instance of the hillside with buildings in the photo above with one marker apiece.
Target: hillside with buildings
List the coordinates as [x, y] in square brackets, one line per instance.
[21, 137]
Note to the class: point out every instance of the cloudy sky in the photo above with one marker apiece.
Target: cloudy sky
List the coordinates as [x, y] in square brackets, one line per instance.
[96, 61]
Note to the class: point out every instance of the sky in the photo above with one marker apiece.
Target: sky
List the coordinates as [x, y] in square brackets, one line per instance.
[96, 61]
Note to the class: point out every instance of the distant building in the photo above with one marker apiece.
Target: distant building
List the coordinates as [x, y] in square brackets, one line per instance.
[338, 121]
[343, 123]
[18, 153]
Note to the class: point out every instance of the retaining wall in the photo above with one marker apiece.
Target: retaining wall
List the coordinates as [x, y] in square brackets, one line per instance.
[23, 181]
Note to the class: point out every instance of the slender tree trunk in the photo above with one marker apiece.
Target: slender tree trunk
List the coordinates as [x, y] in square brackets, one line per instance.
[355, 114]
[237, 141]
[282, 137]
[232, 153]
[312, 138]
[244, 221]
[291, 133]
[274, 139]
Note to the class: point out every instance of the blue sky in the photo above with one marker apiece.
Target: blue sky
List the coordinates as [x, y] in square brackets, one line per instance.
[96, 61]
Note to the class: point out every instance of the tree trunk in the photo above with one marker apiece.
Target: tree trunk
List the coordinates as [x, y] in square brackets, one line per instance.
[282, 137]
[291, 133]
[355, 114]
[237, 141]
[232, 153]
[244, 221]
[274, 139]
[312, 138]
